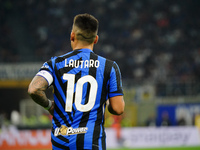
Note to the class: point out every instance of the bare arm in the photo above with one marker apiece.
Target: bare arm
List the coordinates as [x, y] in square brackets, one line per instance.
[37, 90]
[116, 105]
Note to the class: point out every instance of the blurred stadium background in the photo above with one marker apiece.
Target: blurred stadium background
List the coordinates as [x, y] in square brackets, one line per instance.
[156, 44]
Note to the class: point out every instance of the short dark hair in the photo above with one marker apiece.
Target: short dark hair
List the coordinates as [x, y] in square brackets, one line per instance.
[87, 27]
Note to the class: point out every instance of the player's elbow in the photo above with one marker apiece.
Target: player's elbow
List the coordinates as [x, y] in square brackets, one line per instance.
[32, 91]
[120, 110]
[116, 111]
[116, 105]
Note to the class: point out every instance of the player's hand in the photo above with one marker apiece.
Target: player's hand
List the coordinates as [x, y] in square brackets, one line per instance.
[51, 109]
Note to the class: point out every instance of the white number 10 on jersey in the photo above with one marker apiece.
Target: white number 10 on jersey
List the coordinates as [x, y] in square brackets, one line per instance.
[79, 92]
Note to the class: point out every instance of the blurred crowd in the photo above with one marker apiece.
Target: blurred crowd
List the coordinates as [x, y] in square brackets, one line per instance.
[156, 40]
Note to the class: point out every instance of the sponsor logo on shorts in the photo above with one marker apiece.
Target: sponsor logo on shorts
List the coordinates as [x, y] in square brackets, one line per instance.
[64, 130]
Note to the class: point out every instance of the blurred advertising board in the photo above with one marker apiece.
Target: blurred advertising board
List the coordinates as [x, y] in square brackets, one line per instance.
[17, 74]
[13, 139]
[152, 137]
[139, 137]
[181, 114]
[18, 71]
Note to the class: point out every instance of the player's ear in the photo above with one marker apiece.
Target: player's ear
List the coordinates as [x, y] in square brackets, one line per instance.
[72, 36]
[96, 39]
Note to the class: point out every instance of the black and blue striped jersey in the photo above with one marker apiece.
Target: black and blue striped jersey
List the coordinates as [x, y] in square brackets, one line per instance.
[82, 82]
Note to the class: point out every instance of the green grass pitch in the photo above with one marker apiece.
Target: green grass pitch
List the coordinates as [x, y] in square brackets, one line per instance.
[166, 148]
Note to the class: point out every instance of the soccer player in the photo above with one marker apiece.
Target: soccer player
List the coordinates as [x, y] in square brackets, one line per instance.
[84, 83]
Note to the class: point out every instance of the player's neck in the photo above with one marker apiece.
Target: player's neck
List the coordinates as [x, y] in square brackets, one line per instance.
[81, 46]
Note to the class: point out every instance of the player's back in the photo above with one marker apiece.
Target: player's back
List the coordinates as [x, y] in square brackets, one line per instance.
[81, 88]
[80, 82]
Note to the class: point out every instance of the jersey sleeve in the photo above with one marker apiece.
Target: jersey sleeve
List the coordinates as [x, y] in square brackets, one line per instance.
[115, 82]
[46, 72]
